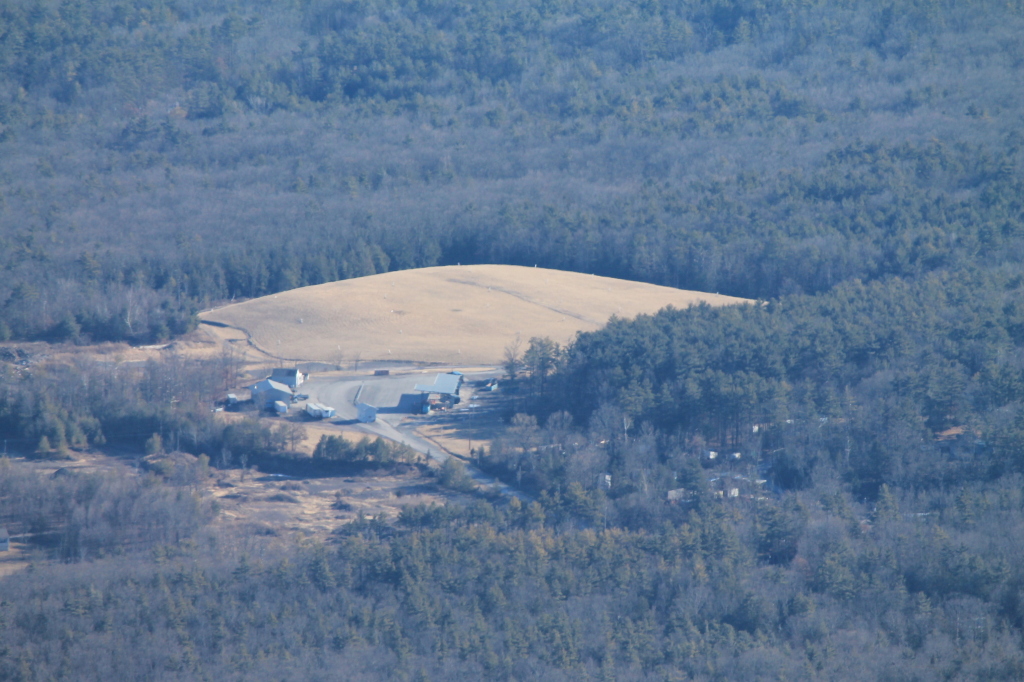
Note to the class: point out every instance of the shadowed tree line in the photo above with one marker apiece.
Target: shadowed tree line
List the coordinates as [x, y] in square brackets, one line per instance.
[752, 591]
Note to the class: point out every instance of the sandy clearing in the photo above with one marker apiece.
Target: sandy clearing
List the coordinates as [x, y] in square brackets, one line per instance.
[266, 500]
[14, 560]
[450, 315]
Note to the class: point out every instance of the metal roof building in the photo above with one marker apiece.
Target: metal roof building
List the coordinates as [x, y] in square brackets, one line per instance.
[446, 384]
[267, 391]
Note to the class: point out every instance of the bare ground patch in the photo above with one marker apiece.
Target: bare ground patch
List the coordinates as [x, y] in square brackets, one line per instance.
[316, 507]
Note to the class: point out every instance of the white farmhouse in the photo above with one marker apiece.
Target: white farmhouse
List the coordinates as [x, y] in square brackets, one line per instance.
[289, 376]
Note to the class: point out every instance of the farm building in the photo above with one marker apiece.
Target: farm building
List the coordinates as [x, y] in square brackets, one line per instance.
[444, 385]
[435, 401]
[318, 411]
[5, 540]
[280, 406]
[290, 377]
[266, 392]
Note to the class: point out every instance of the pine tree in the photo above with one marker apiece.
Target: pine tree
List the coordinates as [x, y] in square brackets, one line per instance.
[154, 445]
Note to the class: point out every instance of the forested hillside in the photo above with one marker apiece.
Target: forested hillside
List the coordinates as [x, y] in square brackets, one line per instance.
[157, 156]
[826, 484]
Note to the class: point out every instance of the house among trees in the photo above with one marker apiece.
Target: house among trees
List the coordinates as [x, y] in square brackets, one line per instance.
[268, 391]
[289, 376]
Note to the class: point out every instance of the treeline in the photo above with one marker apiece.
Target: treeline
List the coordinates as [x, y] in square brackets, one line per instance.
[158, 406]
[337, 456]
[340, 449]
[160, 156]
[914, 385]
[747, 590]
[75, 516]
[96, 402]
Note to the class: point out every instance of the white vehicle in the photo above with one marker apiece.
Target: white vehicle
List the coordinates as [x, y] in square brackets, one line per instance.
[318, 411]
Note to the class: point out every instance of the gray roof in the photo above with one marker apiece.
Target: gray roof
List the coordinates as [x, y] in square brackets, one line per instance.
[268, 384]
[3, 533]
[443, 383]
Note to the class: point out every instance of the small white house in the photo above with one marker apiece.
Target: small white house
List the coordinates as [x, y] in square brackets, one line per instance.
[289, 376]
[677, 495]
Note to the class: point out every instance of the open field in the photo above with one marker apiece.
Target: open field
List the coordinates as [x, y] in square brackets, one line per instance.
[253, 501]
[14, 560]
[450, 315]
[306, 506]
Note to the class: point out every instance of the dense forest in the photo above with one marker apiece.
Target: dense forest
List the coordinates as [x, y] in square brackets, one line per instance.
[825, 484]
[160, 155]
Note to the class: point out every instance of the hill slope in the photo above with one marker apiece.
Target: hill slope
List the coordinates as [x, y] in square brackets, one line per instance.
[453, 314]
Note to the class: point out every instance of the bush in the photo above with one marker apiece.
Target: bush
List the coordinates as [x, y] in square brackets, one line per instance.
[453, 475]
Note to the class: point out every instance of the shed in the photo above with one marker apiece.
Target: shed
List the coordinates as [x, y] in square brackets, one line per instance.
[280, 406]
[289, 376]
[367, 413]
[445, 384]
[266, 392]
[5, 539]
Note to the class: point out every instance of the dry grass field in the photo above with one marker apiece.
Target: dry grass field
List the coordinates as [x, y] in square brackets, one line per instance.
[455, 315]
[305, 507]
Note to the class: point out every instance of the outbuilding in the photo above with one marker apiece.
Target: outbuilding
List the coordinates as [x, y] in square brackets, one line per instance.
[444, 385]
[289, 376]
[367, 413]
[266, 392]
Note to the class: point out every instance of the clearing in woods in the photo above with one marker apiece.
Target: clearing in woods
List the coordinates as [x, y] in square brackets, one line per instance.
[448, 315]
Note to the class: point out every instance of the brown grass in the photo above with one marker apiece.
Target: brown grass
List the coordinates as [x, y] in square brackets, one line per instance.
[305, 507]
[453, 315]
[13, 560]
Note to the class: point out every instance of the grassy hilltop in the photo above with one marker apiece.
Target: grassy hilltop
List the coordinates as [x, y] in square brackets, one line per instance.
[455, 315]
